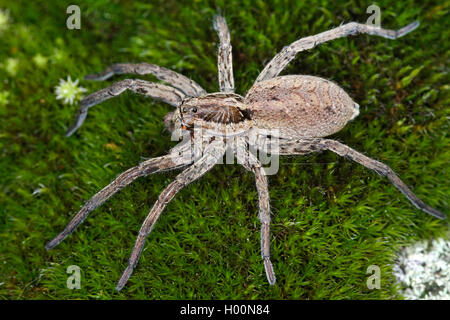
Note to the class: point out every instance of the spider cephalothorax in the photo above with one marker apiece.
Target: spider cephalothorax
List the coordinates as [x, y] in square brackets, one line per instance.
[298, 110]
[216, 112]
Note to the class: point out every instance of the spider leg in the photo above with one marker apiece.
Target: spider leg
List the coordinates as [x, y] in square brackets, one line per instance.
[381, 169]
[280, 61]
[177, 80]
[168, 162]
[251, 163]
[211, 155]
[306, 146]
[264, 216]
[157, 91]
[224, 57]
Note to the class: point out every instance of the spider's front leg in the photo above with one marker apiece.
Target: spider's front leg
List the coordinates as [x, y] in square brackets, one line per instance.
[281, 60]
[177, 80]
[156, 91]
[251, 163]
[175, 159]
[212, 153]
[224, 56]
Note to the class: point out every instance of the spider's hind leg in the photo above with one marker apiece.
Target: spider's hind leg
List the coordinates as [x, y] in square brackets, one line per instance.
[288, 53]
[381, 169]
[251, 163]
[264, 216]
[298, 147]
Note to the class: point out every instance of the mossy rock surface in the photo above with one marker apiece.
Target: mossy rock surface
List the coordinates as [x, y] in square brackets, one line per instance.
[332, 218]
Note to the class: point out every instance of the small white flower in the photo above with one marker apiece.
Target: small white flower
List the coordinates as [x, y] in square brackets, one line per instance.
[68, 91]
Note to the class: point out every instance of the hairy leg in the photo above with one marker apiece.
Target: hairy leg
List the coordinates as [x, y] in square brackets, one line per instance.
[155, 90]
[299, 147]
[266, 143]
[280, 61]
[251, 163]
[211, 155]
[264, 216]
[170, 161]
[225, 64]
[177, 80]
[381, 169]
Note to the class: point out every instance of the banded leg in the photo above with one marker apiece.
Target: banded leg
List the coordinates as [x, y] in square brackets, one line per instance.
[283, 146]
[168, 162]
[224, 57]
[381, 169]
[264, 216]
[157, 91]
[280, 61]
[175, 79]
[300, 146]
[212, 154]
[251, 163]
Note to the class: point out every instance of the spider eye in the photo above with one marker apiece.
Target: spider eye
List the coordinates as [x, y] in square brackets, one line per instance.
[194, 109]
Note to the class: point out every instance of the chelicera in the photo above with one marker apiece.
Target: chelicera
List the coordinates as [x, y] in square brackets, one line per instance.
[300, 109]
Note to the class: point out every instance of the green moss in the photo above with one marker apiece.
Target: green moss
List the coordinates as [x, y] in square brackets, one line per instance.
[332, 219]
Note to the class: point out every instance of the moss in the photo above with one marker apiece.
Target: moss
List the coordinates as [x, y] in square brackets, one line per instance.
[332, 219]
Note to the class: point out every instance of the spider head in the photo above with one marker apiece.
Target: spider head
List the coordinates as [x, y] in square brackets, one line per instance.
[216, 112]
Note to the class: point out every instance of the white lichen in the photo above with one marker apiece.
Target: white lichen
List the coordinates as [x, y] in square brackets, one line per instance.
[423, 270]
[68, 91]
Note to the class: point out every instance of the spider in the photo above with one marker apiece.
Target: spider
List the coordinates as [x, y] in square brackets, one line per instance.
[303, 109]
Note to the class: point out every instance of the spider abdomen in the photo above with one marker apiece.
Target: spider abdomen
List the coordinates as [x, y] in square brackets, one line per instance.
[300, 106]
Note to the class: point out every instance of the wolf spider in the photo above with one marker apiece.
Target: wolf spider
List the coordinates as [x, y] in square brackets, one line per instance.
[303, 109]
